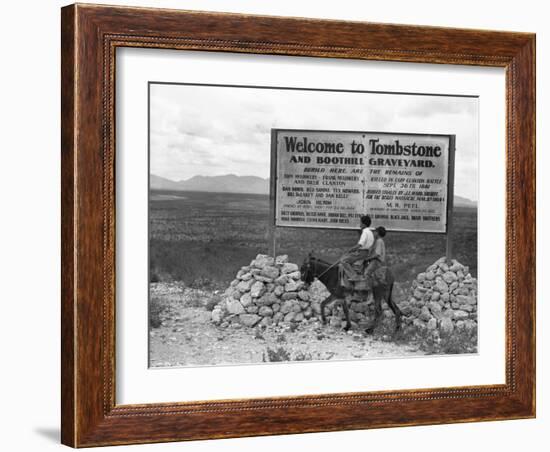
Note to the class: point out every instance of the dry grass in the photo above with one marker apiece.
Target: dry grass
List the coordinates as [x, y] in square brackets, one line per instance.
[461, 341]
[429, 342]
[205, 238]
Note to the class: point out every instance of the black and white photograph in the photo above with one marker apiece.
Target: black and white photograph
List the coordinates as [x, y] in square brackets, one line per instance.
[290, 224]
[275, 226]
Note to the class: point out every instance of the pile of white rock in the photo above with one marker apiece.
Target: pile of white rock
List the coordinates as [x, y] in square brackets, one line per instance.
[443, 298]
[269, 292]
[266, 292]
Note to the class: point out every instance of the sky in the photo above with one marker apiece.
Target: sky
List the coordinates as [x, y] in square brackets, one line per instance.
[217, 130]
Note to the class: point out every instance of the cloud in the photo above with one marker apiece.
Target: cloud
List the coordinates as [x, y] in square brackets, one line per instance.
[212, 130]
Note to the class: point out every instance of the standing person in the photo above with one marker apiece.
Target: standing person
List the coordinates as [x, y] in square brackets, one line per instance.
[361, 251]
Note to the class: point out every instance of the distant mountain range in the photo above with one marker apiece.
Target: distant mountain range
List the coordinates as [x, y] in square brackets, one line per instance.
[230, 183]
[464, 202]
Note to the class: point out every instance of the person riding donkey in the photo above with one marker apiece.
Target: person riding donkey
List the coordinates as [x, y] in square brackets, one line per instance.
[377, 253]
[361, 251]
[370, 249]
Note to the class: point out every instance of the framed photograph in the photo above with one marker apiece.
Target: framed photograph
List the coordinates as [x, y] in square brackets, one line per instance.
[281, 225]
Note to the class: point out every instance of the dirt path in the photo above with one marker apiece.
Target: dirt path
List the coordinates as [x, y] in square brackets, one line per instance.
[186, 337]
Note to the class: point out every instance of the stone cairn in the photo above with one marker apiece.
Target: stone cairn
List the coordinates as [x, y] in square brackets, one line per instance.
[443, 298]
[266, 292]
[269, 292]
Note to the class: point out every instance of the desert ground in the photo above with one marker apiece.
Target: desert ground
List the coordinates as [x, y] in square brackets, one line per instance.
[198, 243]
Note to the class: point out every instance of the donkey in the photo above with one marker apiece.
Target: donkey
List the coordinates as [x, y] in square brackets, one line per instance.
[328, 274]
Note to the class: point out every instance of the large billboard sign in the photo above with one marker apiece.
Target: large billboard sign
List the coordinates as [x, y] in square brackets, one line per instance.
[328, 179]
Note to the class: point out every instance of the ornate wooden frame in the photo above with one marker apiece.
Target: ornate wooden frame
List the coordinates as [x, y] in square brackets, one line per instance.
[90, 35]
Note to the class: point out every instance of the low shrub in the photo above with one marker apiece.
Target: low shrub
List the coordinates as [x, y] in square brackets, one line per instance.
[428, 341]
[203, 284]
[276, 355]
[195, 300]
[156, 308]
[280, 354]
[460, 341]
[212, 302]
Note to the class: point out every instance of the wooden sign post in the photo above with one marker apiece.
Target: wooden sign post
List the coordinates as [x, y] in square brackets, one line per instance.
[272, 239]
[450, 198]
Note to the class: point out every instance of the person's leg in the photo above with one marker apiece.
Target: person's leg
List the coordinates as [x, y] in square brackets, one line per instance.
[346, 262]
[350, 258]
[368, 273]
[371, 266]
[348, 269]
